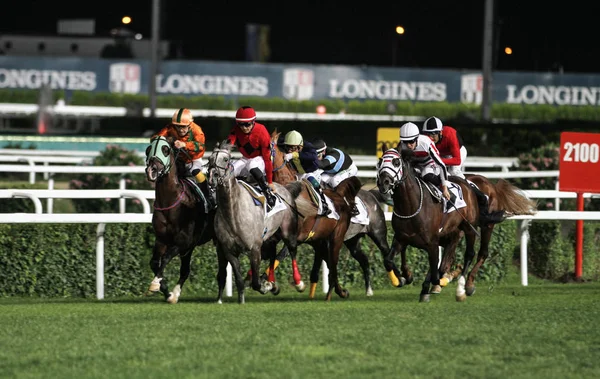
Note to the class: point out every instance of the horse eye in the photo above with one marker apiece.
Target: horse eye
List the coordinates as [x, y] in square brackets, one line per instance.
[396, 162]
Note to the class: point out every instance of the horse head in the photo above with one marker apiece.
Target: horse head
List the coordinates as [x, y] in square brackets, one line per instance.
[158, 158]
[393, 167]
[219, 162]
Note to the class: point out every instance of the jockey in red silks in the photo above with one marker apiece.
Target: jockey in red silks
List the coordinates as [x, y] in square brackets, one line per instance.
[254, 143]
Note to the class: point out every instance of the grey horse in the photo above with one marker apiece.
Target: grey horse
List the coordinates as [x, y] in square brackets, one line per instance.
[241, 226]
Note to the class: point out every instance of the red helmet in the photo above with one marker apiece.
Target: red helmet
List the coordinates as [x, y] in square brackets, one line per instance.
[245, 114]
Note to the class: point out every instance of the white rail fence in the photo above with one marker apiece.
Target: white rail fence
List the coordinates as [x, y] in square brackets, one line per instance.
[146, 217]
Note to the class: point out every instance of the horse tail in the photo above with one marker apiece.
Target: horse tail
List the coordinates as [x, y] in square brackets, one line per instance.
[348, 189]
[511, 199]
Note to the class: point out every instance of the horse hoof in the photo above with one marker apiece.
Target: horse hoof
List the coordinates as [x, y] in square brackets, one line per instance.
[436, 289]
[300, 287]
[275, 290]
[461, 298]
[219, 301]
[172, 300]
[408, 279]
[344, 294]
[424, 298]
[369, 292]
[444, 281]
[470, 291]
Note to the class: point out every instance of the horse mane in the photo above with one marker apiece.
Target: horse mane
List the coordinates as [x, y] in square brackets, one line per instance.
[513, 200]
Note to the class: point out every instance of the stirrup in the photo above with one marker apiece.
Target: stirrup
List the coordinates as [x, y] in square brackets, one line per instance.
[355, 211]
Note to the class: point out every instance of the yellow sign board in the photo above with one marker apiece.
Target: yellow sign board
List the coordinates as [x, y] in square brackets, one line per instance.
[390, 136]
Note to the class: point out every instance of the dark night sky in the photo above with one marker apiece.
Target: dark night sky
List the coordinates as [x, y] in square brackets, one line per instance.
[439, 34]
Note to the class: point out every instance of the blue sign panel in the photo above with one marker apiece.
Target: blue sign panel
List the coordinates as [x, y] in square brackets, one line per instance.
[295, 82]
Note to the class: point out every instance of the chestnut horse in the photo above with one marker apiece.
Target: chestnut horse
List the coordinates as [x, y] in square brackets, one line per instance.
[182, 219]
[419, 220]
[376, 229]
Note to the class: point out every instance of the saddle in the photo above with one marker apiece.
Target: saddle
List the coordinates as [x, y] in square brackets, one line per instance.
[197, 192]
[256, 193]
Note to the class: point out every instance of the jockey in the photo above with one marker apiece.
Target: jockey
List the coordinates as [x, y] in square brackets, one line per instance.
[189, 136]
[336, 166]
[427, 159]
[254, 143]
[449, 144]
[303, 157]
[454, 153]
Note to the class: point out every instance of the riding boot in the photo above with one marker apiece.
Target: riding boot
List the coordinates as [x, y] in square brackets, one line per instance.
[262, 183]
[211, 202]
[485, 216]
[317, 186]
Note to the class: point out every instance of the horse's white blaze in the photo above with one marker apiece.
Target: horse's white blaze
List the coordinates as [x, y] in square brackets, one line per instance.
[174, 295]
[155, 285]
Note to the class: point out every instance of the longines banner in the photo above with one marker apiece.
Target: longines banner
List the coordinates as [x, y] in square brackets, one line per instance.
[299, 82]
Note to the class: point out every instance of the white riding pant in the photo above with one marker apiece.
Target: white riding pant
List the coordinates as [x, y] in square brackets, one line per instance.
[197, 164]
[315, 174]
[242, 166]
[430, 168]
[333, 180]
[458, 170]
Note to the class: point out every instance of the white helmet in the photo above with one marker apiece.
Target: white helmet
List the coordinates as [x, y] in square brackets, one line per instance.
[432, 125]
[294, 138]
[408, 132]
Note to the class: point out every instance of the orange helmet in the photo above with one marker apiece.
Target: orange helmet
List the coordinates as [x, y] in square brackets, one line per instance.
[182, 117]
[245, 114]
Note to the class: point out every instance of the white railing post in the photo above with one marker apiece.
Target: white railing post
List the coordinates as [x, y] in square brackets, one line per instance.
[229, 281]
[50, 201]
[325, 275]
[524, 241]
[100, 261]
[122, 200]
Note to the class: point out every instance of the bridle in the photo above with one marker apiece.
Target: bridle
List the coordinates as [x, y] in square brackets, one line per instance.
[392, 158]
[226, 170]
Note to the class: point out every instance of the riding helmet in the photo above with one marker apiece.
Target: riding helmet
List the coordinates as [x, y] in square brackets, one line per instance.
[293, 138]
[245, 114]
[409, 132]
[432, 125]
[182, 117]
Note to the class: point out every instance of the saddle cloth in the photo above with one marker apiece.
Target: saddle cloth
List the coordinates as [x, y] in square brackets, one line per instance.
[261, 200]
[191, 182]
[459, 202]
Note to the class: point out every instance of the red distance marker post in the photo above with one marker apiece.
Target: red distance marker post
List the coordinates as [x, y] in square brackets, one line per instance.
[579, 171]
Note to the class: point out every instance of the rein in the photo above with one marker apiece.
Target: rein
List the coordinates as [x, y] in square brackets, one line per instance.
[174, 204]
[399, 180]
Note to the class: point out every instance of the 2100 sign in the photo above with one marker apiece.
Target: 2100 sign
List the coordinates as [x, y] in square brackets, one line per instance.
[581, 152]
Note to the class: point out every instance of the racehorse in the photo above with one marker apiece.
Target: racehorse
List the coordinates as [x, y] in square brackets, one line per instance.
[242, 223]
[376, 228]
[420, 220]
[182, 219]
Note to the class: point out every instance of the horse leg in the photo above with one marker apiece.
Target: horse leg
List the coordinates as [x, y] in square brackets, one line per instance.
[268, 252]
[448, 259]
[482, 255]
[158, 252]
[431, 284]
[239, 279]
[332, 263]
[221, 273]
[354, 246]
[291, 247]
[184, 273]
[258, 283]
[469, 255]
[388, 263]
[320, 252]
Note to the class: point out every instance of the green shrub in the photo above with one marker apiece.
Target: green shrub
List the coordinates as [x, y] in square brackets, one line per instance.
[113, 155]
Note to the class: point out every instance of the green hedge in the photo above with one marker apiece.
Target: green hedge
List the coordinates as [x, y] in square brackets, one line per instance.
[534, 113]
[59, 260]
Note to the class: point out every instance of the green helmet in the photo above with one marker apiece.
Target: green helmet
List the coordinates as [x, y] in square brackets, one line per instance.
[294, 138]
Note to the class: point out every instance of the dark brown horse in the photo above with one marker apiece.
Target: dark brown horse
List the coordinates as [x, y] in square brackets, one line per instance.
[376, 229]
[182, 220]
[419, 220]
[324, 234]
